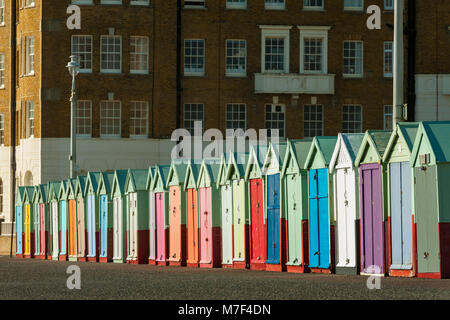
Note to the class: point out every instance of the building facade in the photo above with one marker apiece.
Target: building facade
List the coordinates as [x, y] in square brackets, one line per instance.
[305, 67]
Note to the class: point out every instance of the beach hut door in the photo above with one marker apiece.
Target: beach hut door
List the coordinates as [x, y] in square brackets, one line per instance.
[63, 218]
[205, 225]
[273, 219]
[152, 225]
[27, 230]
[81, 228]
[192, 236]
[103, 224]
[118, 233]
[293, 201]
[91, 225]
[227, 225]
[54, 209]
[257, 218]
[37, 226]
[132, 246]
[160, 228]
[19, 229]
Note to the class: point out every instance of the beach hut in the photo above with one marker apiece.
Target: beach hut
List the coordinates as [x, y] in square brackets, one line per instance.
[106, 218]
[19, 221]
[192, 225]
[161, 213]
[63, 215]
[81, 200]
[235, 174]
[36, 222]
[151, 217]
[28, 223]
[320, 200]
[52, 199]
[402, 260]
[430, 159]
[209, 204]
[346, 202]
[276, 219]
[119, 216]
[72, 221]
[92, 215]
[177, 213]
[254, 179]
[42, 221]
[295, 183]
[137, 218]
[226, 194]
[373, 201]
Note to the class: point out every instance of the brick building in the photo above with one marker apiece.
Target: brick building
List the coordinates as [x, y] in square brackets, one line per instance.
[306, 67]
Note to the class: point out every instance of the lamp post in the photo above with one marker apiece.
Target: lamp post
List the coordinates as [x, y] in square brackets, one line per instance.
[74, 69]
[397, 107]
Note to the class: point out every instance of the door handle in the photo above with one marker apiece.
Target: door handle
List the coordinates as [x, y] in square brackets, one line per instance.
[346, 203]
[347, 261]
[317, 253]
[426, 255]
[274, 244]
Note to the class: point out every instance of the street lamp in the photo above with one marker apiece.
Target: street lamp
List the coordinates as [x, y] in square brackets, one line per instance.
[74, 69]
[398, 72]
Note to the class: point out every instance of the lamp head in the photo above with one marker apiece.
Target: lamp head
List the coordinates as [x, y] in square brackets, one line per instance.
[73, 65]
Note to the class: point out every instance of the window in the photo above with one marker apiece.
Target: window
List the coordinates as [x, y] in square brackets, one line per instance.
[138, 118]
[2, 70]
[352, 119]
[275, 119]
[313, 4]
[388, 59]
[275, 4]
[139, 55]
[28, 179]
[111, 2]
[139, 2]
[194, 3]
[29, 63]
[2, 129]
[312, 55]
[236, 116]
[193, 112]
[29, 119]
[355, 5]
[1, 196]
[194, 57]
[110, 118]
[388, 4]
[387, 116]
[111, 54]
[314, 49]
[82, 47]
[353, 59]
[313, 120]
[29, 3]
[78, 2]
[84, 118]
[236, 52]
[275, 49]
[236, 4]
[2, 12]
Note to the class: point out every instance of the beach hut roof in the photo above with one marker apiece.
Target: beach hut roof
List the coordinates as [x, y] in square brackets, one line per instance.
[191, 177]
[376, 140]
[177, 172]
[436, 137]
[136, 180]
[351, 142]
[257, 155]
[92, 181]
[322, 146]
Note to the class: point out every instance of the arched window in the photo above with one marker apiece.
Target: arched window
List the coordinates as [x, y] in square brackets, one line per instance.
[28, 179]
[1, 195]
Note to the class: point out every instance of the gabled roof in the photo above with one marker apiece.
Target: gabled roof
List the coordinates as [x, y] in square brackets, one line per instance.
[150, 175]
[237, 164]
[20, 195]
[53, 190]
[80, 186]
[41, 192]
[257, 155]
[35, 194]
[191, 177]
[351, 143]
[105, 182]
[436, 135]
[223, 168]
[210, 171]
[161, 173]
[136, 180]
[298, 150]
[92, 181]
[377, 140]
[279, 149]
[62, 192]
[323, 148]
[405, 130]
[28, 194]
[120, 177]
[177, 173]
[71, 184]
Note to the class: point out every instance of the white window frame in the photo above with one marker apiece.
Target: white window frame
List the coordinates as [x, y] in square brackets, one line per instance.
[2, 129]
[313, 8]
[275, 32]
[350, 75]
[29, 129]
[385, 51]
[232, 112]
[354, 8]
[83, 70]
[353, 121]
[101, 53]
[145, 54]
[194, 73]
[320, 32]
[30, 3]
[140, 2]
[114, 135]
[237, 73]
[2, 12]
[202, 120]
[283, 107]
[315, 121]
[2, 70]
[236, 4]
[84, 135]
[270, 5]
[141, 104]
[29, 56]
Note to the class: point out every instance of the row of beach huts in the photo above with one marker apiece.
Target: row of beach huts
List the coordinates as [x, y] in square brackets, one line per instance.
[371, 203]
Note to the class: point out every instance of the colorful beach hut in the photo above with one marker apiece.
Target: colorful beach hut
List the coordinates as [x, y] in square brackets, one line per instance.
[119, 216]
[177, 213]
[402, 256]
[52, 199]
[92, 215]
[373, 201]
[106, 218]
[209, 211]
[137, 218]
[295, 183]
[19, 221]
[430, 159]
[161, 213]
[82, 205]
[346, 202]
[28, 223]
[151, 216]
[226, 193]
[254, 178]
[320, 200]
[192, 225]
[63, 217]
[42, 221]
[72, 214]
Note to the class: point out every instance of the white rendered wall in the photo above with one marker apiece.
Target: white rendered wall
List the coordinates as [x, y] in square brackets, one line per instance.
[426, 101]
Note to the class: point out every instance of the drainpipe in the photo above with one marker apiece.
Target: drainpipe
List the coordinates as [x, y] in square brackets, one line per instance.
[412, 60]
[178, 117]
[12, 178]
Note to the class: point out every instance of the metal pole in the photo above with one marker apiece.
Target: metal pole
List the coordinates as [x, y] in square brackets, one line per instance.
[397, 108]
[73, 148]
